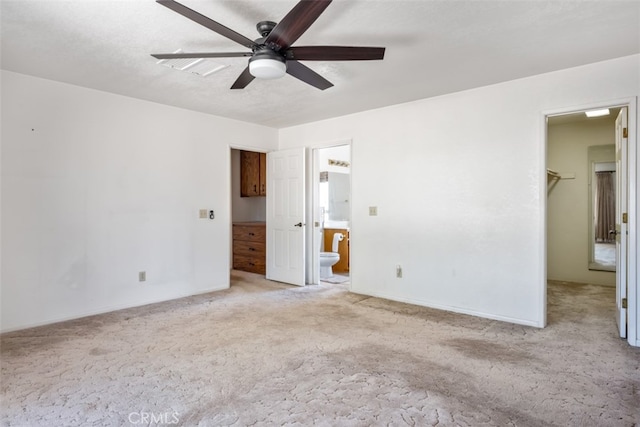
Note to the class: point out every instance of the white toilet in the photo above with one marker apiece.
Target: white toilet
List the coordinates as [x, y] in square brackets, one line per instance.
[329, 259]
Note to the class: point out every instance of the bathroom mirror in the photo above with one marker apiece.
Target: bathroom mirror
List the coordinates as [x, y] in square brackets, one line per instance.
[339, 195]
[602, 201]
[335, 192]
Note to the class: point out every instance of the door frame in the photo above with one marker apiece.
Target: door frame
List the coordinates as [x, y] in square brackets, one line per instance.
[632, 209]
[314, 205]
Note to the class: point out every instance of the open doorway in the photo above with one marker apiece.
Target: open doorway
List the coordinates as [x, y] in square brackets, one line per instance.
[581, 151]
[332, 214]
[602, 207]
[268, 213]
[587, 201]
[248, 211]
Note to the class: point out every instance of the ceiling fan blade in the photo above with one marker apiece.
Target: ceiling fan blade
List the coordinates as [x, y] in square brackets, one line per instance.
[207, 22]
[335, 53]
[244, 79]
[200, 55]
[307, 75]
[295, 23]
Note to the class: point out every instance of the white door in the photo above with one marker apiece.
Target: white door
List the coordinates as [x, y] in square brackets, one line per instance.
[621, 221]
[285, 216]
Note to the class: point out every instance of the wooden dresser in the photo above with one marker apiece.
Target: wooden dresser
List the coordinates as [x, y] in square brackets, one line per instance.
[249, 243]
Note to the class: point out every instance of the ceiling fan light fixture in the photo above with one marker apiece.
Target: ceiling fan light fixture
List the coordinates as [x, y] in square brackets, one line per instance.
[267, 65]
[272, 55]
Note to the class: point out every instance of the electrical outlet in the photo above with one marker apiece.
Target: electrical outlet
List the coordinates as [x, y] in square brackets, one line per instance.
[373, 210]
[203, 213]
[142, 276]
[399, 271]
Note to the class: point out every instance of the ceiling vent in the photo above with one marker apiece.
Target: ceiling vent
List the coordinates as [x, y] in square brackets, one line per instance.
[201, 66]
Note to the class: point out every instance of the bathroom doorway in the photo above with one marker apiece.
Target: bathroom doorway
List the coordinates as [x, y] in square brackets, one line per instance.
[332, 215]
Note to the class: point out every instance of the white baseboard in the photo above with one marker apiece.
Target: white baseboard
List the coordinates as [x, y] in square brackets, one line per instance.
[453, 309]
[110, 309]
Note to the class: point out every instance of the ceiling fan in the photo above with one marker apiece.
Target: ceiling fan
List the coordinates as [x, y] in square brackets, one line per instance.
[272, 55]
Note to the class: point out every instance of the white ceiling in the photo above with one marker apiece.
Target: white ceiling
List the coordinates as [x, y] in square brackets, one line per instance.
[433, 48]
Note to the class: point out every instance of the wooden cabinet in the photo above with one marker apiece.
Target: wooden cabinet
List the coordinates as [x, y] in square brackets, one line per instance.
[263, 174]
[249, 247]
[253, 174]
[343, 248]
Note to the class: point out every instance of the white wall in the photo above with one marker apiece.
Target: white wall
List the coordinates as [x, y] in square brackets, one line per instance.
[97, 187]
[460, 186]
[105, 186]
[340, 152]
[569, 199]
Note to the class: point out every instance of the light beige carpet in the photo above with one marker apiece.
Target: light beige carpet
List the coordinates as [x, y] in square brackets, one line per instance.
[264, 353]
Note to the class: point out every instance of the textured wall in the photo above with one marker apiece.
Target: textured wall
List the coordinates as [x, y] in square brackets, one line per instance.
[460, 185]
[97, 187]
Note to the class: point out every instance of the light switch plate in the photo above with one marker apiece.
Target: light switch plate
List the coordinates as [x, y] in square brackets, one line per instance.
[203, 213]
[373, 210]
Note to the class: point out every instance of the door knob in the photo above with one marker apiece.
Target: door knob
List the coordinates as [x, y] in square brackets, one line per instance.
[298, 225]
